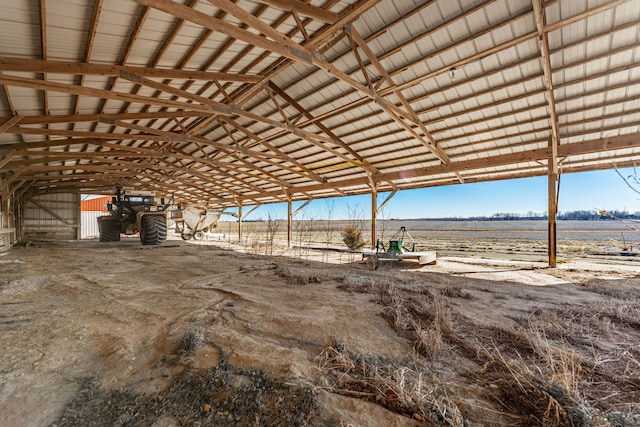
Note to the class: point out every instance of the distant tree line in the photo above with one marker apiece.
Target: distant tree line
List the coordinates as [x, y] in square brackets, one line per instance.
[533, 216]
[593, 215]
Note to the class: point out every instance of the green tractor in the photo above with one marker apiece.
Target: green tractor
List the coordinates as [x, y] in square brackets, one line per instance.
[133, 212]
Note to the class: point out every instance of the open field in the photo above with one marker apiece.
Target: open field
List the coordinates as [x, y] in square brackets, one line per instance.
[525, 240]
[218, 333]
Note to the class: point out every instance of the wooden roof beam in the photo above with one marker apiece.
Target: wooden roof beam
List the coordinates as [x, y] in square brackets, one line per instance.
[91, 35]
[430, 31]
[582, 15]
[264, 157]
[94, 69]
[76, 118]
[233, 150]
[99, 93]
[270, 71]
[232, 110]
[43, 48]
[303, 9]
[258, 141]
[614, 143]
[322, 127]
[430, 142]
[10, 122]
[281, 45]
[513, 42]
[349, 14]
[543, 42]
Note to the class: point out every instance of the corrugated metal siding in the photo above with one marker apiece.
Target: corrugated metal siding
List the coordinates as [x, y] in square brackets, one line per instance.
[51, 217]
[95, 205]
[89, 221]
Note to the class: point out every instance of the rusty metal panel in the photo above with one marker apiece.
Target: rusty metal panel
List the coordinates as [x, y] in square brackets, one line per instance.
[51, 217]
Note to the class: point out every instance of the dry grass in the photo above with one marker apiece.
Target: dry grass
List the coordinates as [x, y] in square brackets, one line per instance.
[608, 289]
[295, 277]
[404, 388]
[424, 319]
[545, 369]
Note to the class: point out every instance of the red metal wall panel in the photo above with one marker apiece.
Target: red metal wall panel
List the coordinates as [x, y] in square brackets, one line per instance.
[95, 205]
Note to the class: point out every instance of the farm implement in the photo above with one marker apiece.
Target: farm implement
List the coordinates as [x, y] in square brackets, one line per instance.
[193, 223]
[398, 250]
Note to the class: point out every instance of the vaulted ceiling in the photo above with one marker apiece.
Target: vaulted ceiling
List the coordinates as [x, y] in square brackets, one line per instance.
[226, 102]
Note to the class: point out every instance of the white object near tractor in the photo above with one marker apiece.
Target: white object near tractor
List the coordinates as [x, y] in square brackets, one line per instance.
[193, 223]
[397, 251]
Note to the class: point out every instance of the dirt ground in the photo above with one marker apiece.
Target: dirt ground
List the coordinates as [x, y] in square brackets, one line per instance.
[216, 333]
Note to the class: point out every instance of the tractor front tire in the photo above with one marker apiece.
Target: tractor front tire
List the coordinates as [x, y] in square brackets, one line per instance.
[109, 229]
[153, 229]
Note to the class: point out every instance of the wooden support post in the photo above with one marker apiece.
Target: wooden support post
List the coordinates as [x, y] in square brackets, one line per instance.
[289, 221]
[553, 210]
[79, 216]
[239, 222]
[19, 212]
[4, 211]
[374, 214]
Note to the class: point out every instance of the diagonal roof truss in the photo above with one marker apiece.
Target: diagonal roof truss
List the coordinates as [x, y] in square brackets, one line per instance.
[226, 102]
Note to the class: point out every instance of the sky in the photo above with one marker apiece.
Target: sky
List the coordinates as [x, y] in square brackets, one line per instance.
[578, 191]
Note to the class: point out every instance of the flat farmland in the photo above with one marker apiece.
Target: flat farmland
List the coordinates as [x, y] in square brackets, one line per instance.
[515, 239]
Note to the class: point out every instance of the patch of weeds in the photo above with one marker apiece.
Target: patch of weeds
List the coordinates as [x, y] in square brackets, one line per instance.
[294, 278]
[453, 292]
[223, 396]
[191, 341]
[362, 285]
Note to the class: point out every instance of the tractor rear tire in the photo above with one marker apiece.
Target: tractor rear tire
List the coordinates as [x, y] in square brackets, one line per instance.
[153, 229]
[109, 229]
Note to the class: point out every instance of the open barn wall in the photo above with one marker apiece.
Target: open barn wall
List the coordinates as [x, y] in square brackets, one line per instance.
[260, 101]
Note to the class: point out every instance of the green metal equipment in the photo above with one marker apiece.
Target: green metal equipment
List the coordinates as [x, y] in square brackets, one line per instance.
[397, 250]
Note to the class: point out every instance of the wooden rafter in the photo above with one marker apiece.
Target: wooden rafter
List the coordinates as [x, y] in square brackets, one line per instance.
[303, 9]
[99, 93]
[272, 148]
[543, 42]
[183, 126]
[324, 128]
[541, 154]
[43, 47]
[430, 143]
[8, 122]
[114, 70]
[231, 110]
[284, 46]
[93, 28]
